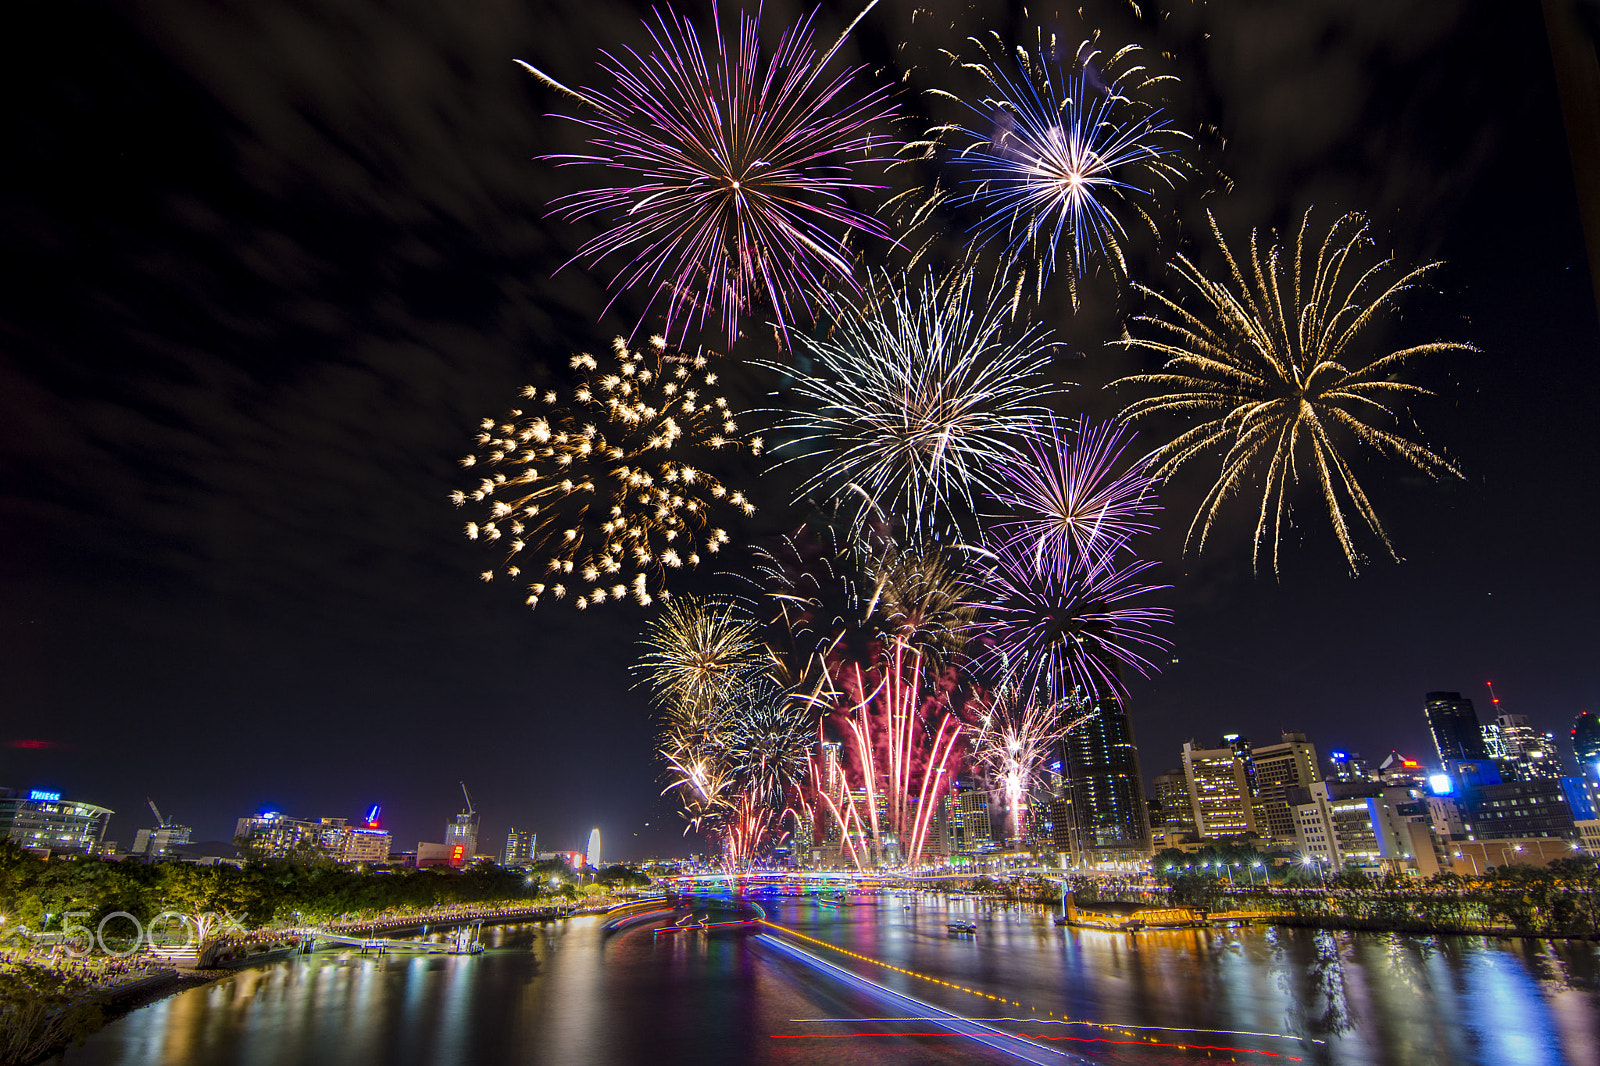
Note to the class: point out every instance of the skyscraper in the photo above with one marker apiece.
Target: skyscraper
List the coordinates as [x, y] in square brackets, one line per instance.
[1454, 725]
[1107, 817]
[1521, 751]
[1219, 790]
[1177, 812]
[1586, 743]
[1278, 768]
[591, 854]
[521, 846]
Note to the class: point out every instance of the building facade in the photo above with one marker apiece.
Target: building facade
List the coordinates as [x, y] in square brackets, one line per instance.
[1292, 763]
[1219, 790]
[521, 846]
[1107, 818]
[1454, 725]
[42, 821]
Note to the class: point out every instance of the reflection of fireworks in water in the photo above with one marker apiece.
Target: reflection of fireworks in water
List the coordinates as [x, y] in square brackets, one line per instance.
[1064, 630]
[1277, 366]
[1062, 150]
[737, 170]
[1067, 498]
[915, 400]
[1014, 741]
[600, 492]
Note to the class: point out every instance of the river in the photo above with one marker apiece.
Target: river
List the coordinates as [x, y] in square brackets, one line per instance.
[1019, 990]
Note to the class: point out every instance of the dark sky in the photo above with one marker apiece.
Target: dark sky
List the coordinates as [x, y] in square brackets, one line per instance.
[268, 264]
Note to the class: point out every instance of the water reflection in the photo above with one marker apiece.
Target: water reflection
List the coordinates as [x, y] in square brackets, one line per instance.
[568, 993]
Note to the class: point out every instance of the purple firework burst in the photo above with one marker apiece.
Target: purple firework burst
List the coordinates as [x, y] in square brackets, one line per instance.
[1068, 499]
[1060, 631]
[736, 168]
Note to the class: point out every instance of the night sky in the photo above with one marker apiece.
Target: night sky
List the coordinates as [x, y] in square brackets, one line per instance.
[269, 264]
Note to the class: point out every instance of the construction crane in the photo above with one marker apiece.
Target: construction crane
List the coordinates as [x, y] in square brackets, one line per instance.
[161, 822]
[467, 794]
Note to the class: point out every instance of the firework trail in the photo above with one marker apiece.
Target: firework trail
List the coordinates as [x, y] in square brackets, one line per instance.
[600, 496]
[912, 403]
[737, 168]
[1067, 143]
[1067, 498]
[1060, 631]
[1276, 368]
[1015, 740]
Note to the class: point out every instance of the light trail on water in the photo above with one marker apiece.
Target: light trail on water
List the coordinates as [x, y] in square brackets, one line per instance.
[1006, 1043]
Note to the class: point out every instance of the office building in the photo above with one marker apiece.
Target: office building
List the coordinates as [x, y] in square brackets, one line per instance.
[274, 835]
[968, 822]
[1279, 767]
[591, 854]
[43, 822]
[1522, 752]
[1347, 766]
[521, 846]
[1586, 744]
[1454, 725]
[1172, 794]
[1108, 821]
[1365, 824]
[1219, 790]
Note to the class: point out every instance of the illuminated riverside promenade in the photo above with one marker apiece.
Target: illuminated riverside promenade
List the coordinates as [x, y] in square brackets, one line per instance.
[875, 978]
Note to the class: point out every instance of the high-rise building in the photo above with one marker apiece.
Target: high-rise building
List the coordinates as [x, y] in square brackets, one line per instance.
[41, 820]
[1172, 793]
[968, 819]
[1278, 768]
[1521, 751]
[1347, 766]
[272, 834]
[592, 853]
[521, 846]
[461, 837]
[158, 842]
[1108, 820]
[1586, 744]
[1454, 725]
[1219, 790]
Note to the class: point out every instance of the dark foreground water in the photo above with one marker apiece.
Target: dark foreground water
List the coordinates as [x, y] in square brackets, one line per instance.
[1021, 990]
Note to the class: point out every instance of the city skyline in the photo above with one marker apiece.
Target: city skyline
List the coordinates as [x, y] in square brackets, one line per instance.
[256, 339]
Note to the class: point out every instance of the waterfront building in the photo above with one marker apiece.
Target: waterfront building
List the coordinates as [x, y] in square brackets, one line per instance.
[1364, 824]
[43, 822]
[1108, 820]
[1279, 767]
[274, 835]
[364, 844]
[521, 846]
[1219, 790]
[1172, 794]
[1586, 744]
[1454, 725]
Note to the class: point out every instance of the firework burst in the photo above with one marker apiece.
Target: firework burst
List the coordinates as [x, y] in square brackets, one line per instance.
[914, 401]
[600, 497]
[1277, 367]
[1060, 631]
[1067, 499]
[1067, 143]
[698, 652]
[737, 170]
[1015, 739]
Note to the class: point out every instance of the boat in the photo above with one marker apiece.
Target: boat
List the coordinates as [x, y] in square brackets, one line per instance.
[962, 925]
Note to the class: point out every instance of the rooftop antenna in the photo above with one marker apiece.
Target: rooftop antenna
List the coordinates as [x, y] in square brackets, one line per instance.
[1494, 701]
[161, 822]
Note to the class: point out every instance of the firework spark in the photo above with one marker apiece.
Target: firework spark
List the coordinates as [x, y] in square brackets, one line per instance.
[598, 497]
[1279, 365]
[738, 168]
[1066, 497]
[915, 401]
[1015, 739]
[698, 651]
[1060, 631]
[1067, 143]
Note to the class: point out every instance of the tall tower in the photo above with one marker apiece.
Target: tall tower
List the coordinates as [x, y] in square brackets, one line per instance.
[1108, 819]
[592, 854]
[1586, 743]
[1455, 728]
[1219, 790]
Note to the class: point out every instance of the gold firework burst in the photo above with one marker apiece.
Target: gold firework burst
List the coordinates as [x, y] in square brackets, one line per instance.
[1282, 369]
[596, 496]
[698, 649]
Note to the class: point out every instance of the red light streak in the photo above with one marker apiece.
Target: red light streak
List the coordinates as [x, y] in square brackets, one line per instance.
[1047, 1036]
